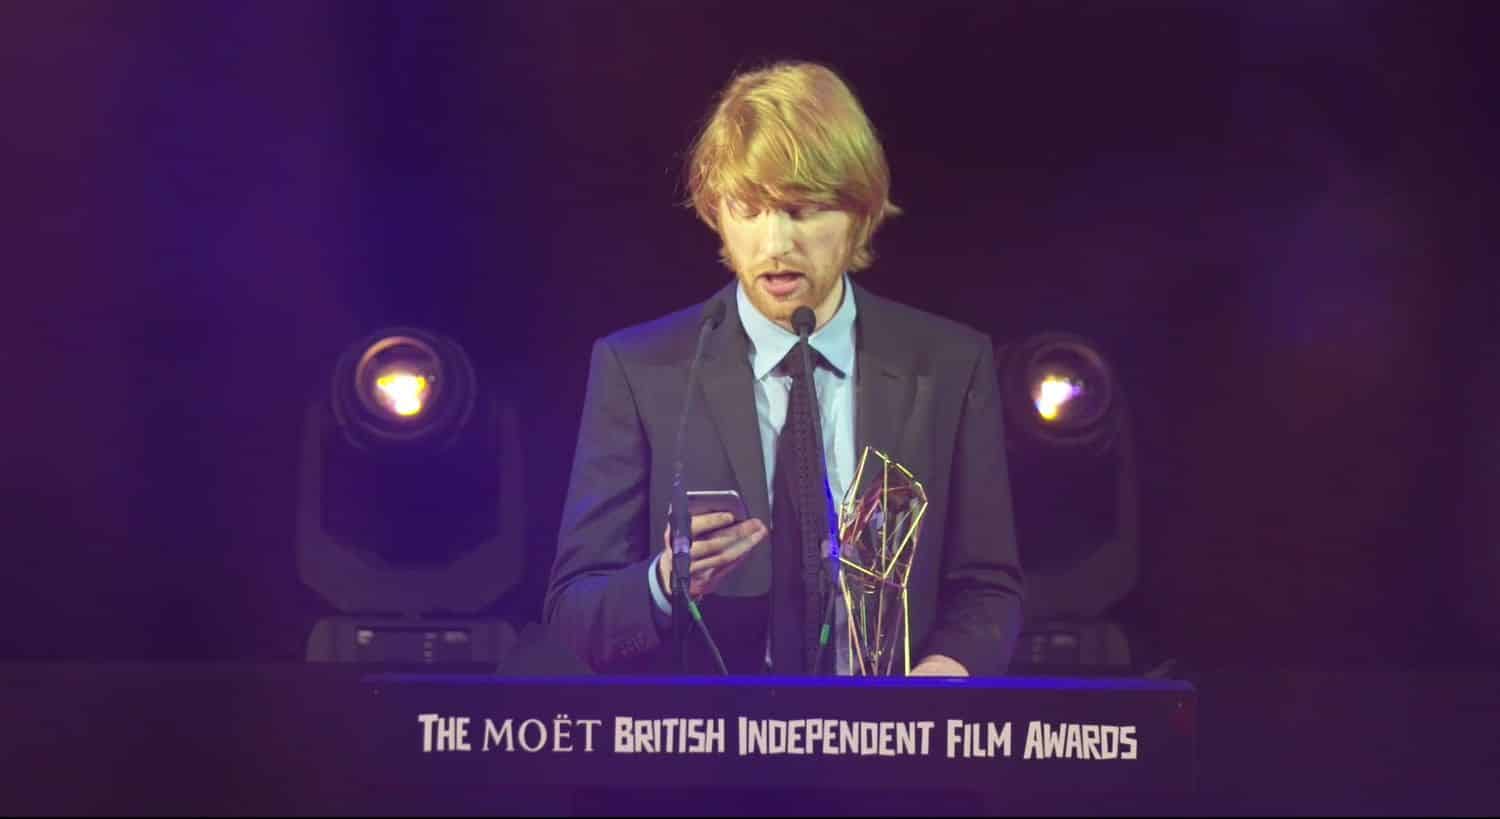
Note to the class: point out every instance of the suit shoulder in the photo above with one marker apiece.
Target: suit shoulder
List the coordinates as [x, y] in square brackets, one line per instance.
[657, 339]
[935, 332]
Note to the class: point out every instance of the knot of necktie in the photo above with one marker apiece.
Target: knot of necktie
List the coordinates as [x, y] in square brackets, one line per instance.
[791, 363]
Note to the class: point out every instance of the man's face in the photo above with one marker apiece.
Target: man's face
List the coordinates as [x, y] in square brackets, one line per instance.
[788, 258]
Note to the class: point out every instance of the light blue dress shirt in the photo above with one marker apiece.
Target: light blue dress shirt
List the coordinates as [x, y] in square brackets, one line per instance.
[769, 344]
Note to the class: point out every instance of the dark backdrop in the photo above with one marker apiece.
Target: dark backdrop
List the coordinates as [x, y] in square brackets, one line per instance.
[1268, 215]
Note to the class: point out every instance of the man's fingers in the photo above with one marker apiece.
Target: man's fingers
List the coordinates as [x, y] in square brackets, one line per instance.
[699, 524]
[714, 575]
[720, 563]
[729, 548]
[728, 538]
[714, 557]
[710, 522]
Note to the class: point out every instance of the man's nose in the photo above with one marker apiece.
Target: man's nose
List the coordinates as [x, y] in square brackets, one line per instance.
[779, 239]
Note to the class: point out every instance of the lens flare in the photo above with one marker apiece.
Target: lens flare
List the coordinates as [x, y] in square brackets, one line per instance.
[1052, 393]
[402, 392]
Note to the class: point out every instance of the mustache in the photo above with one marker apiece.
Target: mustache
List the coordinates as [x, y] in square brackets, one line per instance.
[773, 270]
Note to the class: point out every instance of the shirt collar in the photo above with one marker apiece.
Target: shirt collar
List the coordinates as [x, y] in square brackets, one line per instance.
[770, 342]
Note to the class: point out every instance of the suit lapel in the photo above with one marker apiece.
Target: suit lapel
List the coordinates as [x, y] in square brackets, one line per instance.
[729, 393]
[886, 386]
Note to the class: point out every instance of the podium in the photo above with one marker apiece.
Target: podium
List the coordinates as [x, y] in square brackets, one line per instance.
[309, 739]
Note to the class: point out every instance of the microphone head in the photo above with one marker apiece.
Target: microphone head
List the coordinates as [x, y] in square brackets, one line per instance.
[713, 313]
[803, 320]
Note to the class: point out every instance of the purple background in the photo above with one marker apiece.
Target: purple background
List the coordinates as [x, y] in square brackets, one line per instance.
[1269, 216]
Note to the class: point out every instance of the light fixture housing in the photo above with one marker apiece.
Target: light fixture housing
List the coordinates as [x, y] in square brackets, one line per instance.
[1075, 495]
[410, 496]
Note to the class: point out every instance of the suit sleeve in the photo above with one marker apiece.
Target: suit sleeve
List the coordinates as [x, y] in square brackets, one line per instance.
[598, 599]
[981, 589]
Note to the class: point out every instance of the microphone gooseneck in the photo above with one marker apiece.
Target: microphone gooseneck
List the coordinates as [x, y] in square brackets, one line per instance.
[680, 520]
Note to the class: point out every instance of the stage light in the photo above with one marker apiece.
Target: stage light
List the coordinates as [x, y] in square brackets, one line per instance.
[410, 505]
[1075, 495]
[402, 392]
[403, 385]
[1053, 393]
[1060, 392]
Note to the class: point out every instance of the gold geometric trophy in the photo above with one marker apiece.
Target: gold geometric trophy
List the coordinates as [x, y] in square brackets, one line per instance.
[879, 522]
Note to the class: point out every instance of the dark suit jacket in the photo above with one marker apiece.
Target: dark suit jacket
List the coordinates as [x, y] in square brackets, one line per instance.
[926, 395]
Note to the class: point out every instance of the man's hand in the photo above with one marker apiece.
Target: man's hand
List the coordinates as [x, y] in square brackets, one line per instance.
[938, 665]
[714, 557]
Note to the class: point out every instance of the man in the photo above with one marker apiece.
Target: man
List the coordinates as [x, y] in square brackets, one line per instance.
[789, 173]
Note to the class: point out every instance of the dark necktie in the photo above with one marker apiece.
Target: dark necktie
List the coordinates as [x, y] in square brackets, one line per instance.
[798, 527]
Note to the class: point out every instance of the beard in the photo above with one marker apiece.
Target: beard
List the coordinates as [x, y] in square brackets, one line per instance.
[814, 289]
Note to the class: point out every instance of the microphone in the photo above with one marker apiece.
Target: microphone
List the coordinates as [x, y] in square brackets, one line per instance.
[681, 521]
[803, 320]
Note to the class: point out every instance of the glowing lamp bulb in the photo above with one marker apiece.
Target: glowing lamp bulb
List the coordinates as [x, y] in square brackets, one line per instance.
[403, 392]
[1052, 394]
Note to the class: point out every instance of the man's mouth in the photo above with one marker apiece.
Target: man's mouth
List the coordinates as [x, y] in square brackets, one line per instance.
[782, 283]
